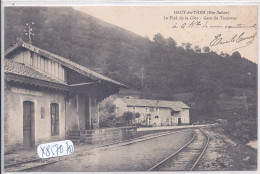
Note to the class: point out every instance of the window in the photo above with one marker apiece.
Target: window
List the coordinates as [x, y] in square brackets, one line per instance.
[149, 116]
[157, 110]
[151, 109]
[65, 75]
[56, 69]
[175, 113]
[156, 116]
[41, 63]
[54, 119]
[52, 68]
[31, 58]
[38, 62]
[46, 65]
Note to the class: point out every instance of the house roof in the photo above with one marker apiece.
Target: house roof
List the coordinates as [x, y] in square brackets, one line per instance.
[23, 70]
[174, 105]
[21, 73]
[64, 61]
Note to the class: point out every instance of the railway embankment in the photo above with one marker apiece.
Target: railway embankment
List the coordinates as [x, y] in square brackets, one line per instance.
[225, 154]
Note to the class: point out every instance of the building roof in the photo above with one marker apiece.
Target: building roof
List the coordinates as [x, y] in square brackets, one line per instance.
[21, 73]
[174, 105]
[23, 70]
[64, 61]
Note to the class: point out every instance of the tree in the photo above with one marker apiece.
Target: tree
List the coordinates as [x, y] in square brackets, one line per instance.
[197, 49]
[236, 54]
[171, 42]
[222, 54]
[158, 38]
[128, 117]
[137, 115]
[107, 116]
[206, 49]
[188, 46]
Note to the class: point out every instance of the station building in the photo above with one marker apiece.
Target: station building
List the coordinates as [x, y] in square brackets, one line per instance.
[47, 96]
[154, 112]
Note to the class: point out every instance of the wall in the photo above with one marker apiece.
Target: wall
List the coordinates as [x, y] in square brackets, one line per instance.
[41, 63]
[107, 135]
[165, 118]
[14, 98]
[22, 56]
[81, 111]
[184, 115]
[7, 107]
[72, 116]
[75, 113]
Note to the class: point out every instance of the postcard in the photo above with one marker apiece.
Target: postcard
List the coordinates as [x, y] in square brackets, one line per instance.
[130, 88]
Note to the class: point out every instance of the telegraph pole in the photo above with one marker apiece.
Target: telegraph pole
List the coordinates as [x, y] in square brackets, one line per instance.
[142, 76]
[29, 33]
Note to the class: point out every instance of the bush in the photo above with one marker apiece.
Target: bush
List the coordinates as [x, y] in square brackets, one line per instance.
[128, 117]
[137, 115]
[107, 116]
[138, 124]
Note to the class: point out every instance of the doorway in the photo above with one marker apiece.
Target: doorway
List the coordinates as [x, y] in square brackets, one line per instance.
[54, 119]
[179, 121]
[28, 124]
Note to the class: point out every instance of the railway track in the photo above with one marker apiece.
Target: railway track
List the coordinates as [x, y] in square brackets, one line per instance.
[38, 163]
[187, 157]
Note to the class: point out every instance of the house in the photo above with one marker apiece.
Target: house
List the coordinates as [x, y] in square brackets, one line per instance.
[46, 96]
[154, 112]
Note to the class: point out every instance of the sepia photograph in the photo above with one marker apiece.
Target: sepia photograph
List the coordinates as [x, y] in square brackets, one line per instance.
[129, 88]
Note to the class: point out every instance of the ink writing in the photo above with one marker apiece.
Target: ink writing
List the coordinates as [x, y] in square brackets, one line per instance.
[55, 149]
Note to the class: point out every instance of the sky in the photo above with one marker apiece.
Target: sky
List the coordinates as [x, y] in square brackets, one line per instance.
[199, 25]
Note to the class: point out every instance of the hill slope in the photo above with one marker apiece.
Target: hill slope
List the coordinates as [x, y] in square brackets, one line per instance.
[77, 36]
[119, 53]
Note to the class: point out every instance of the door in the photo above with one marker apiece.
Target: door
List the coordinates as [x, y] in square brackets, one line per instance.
[179, 121]
[28, 124]
[54, 119]
[156, 121]
[148, 119]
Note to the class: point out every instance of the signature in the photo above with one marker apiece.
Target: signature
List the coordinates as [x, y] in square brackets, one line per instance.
[208, 24]
[237, 38]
